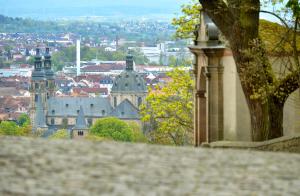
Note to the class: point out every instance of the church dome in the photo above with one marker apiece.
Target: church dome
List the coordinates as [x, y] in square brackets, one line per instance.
[129, 80]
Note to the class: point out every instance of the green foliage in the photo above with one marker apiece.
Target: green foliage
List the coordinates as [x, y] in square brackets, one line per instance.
[138, 135]
[187, 23]
[23, 120]
[60, 134]
[170, 109]
[112, 128]
[294, 5]
[12, 129]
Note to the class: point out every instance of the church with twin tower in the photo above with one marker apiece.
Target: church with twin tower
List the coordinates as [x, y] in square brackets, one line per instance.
[49, 113]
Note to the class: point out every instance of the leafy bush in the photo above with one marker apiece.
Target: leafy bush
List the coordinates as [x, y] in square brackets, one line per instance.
[60, 134]
[10, 128]
[112, 128]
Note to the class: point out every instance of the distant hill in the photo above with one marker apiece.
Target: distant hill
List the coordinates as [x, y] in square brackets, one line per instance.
[57, 9]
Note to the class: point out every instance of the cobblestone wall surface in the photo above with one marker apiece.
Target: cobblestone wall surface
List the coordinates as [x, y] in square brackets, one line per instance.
[44, 167]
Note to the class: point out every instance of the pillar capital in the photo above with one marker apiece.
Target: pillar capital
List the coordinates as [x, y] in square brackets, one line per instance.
[214, 52]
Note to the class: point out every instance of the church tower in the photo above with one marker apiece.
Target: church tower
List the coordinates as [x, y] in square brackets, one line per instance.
[50, 83]
[129, 85]
[37, 89]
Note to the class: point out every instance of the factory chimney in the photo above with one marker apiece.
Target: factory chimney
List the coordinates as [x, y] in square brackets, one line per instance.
[78, 57]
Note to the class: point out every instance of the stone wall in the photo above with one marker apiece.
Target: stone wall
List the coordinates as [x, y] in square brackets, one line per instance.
[283, 144]
[68, 167]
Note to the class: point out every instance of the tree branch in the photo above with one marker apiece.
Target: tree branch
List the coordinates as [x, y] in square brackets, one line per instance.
[286, 86]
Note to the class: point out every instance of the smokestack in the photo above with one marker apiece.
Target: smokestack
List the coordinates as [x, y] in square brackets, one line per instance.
[78, 57]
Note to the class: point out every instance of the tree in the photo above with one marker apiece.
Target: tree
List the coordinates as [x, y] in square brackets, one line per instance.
[112, 128]
[187, 23]
[169, 108]
[23, 120]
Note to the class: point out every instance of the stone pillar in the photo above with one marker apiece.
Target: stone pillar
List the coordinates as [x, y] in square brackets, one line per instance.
[200, 112]
[215, 94]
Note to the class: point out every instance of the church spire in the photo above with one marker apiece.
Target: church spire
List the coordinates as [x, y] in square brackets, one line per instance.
[80, 121]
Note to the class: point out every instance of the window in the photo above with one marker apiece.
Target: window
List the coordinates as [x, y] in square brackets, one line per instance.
[115, 102]
[53, 111]
[77, 111]
[37, 86]
[48, 96]
[92, 105]
[90, 122]
[126, 84]
[140, 100]
[52, 121]
[36, 97]
[122, 113]
[103, 112]
[67, 105]
[47, 84]
[80, 133]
